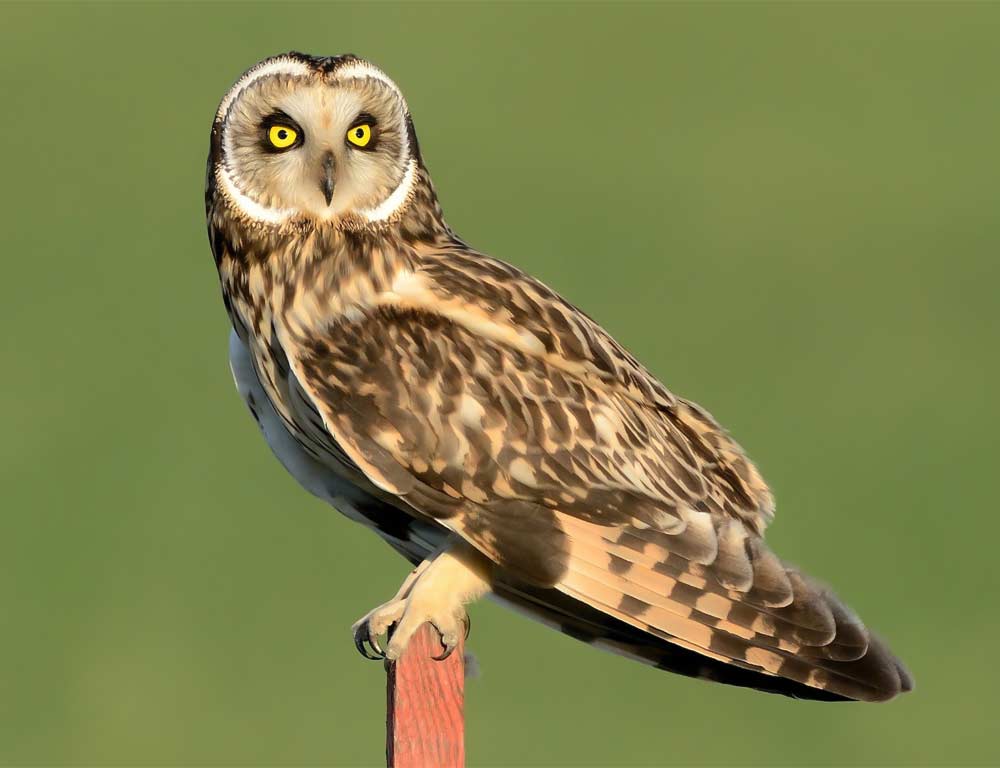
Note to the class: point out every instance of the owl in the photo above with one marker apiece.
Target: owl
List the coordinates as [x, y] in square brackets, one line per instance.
[492, 433]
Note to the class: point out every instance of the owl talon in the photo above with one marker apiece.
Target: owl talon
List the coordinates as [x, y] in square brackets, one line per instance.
[376, 647]
[359, 643]
[449, 648]
[374, 642]
[369, 627]
[361, 637]
[450, 641]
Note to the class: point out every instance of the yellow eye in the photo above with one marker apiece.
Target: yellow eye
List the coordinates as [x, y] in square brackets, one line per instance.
[282, 136]
[360, 135]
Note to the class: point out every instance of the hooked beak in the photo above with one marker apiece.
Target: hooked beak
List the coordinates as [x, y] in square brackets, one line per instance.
[326, 184]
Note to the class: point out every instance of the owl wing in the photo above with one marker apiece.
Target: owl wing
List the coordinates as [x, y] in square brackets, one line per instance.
[492, 406]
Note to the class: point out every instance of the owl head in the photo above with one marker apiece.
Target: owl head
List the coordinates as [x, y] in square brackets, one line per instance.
[314, 140]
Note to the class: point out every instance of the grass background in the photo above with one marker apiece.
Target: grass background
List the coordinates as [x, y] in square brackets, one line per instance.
[788, 211]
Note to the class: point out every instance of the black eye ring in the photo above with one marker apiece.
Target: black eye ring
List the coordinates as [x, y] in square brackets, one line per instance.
[281, 121]
[363, 133]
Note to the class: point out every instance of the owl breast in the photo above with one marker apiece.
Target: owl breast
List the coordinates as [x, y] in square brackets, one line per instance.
[305, 287]
[413, 538]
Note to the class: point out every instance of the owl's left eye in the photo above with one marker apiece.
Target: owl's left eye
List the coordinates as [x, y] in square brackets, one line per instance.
[282, 136]
[360, 135]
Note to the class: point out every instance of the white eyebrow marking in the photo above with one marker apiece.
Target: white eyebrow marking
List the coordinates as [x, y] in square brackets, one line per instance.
[362, 69]
[280, 66]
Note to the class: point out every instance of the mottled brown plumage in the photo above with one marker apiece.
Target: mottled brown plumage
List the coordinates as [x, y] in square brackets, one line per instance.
[475, 418]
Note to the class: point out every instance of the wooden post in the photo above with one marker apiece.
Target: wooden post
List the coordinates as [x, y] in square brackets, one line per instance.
[425, 721]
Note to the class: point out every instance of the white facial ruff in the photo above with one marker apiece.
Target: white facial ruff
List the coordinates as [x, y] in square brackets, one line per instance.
[283, 65]
[364, 70]
[277, 216]
[388, 207]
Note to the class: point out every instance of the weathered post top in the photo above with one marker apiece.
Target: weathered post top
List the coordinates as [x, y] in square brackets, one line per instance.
[425, 723]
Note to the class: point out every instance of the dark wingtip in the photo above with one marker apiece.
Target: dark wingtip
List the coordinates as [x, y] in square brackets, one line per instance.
[906, 681]
[888, 676]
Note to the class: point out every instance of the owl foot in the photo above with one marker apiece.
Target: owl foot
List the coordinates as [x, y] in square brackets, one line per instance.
[435, 593]
[373, 624]
[400, 619]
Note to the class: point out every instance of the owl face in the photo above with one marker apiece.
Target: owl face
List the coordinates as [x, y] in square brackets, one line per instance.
[314, 140]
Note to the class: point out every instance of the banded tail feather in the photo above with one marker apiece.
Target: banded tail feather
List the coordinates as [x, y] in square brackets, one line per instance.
[590, 625]
[813, 640]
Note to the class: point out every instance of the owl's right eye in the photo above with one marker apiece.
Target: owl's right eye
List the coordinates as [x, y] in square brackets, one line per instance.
[282, 136]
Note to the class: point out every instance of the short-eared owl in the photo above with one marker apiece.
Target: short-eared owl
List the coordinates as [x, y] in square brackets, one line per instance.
[487, 429]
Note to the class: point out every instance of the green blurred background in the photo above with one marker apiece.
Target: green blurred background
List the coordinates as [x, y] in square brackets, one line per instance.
[788, 211]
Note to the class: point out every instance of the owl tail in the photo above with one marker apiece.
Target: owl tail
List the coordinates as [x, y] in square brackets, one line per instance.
[629, 594]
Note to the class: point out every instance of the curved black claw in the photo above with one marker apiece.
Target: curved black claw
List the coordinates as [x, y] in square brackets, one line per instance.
[363, 635]
[448, 650]
[374, 643]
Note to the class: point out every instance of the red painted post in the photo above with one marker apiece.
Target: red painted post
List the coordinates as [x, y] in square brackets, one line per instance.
[425, 722]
